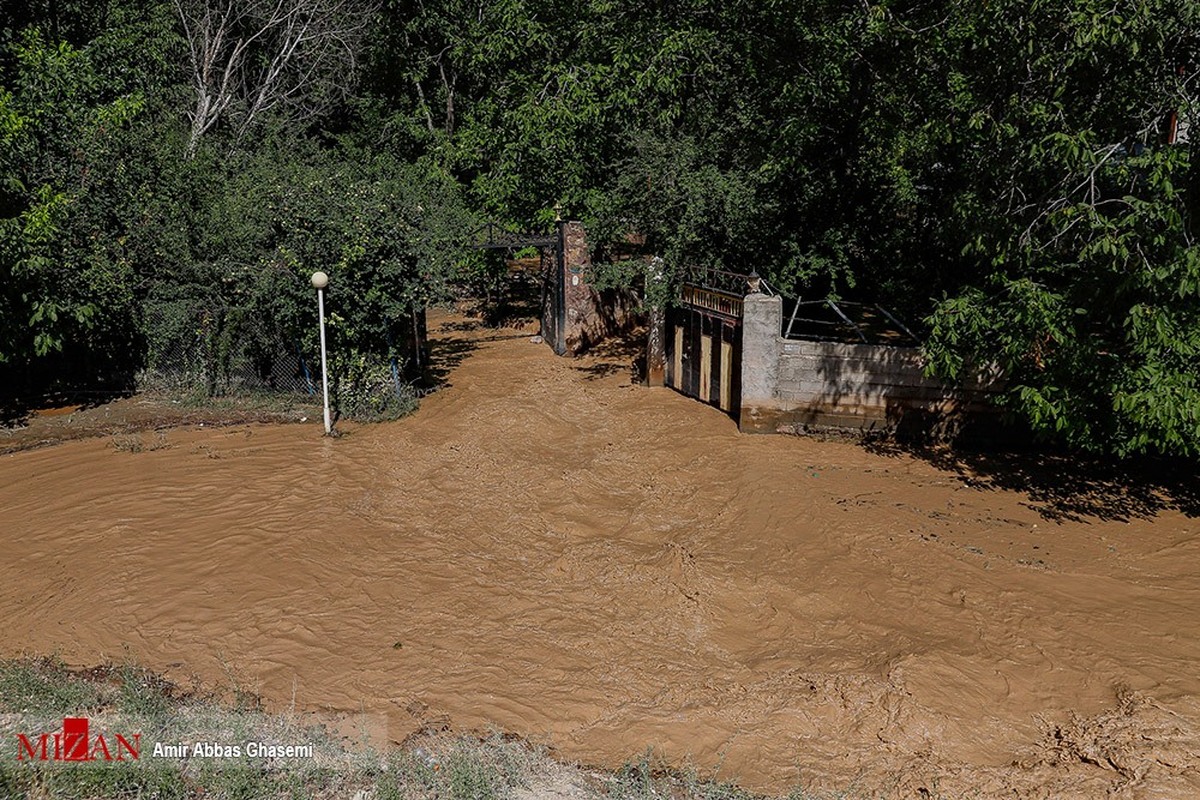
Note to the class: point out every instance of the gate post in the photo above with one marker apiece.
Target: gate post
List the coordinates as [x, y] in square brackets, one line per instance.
[656, 341]
[578, 302]
[656, 347]
[762, 321]
[560, 288]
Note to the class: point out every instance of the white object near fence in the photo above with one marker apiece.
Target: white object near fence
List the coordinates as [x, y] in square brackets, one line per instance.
[319, 281]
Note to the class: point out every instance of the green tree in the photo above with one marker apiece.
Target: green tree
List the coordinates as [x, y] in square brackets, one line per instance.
[67, 310]
[1077, 225]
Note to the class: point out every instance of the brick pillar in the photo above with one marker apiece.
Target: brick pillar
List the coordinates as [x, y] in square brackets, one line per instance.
[579, 305]
[656, 336]
[762, 321]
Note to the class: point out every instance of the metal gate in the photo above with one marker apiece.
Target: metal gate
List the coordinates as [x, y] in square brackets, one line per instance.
[554, 311]
[493, 236]
[704, 346]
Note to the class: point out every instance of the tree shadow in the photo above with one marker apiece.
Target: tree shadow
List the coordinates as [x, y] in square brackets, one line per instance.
[461, 326]
[1065, 486]
[519, 305]
[445, 354]
[513, 300]
[618, 353]
[15, 412]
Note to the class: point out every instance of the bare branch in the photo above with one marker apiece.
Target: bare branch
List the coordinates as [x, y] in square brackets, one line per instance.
[252, 57]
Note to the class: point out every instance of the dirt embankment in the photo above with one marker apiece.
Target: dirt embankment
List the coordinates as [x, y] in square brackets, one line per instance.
[549, 550]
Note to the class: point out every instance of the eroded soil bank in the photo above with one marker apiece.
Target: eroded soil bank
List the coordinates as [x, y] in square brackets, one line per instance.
[549, 550]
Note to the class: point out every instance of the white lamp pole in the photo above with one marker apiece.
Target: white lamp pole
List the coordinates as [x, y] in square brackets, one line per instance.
[319, 281]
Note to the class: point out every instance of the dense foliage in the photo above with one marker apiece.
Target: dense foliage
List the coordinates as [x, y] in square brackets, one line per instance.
[999, 172]
[121, 229]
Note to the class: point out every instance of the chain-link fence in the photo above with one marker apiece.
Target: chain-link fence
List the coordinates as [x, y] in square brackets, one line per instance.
[211, 350]
[216, 351]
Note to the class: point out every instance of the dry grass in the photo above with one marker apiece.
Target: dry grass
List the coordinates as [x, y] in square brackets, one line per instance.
[36, 694]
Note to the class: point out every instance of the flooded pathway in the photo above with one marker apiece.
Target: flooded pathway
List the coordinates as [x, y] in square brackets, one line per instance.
[545, 549]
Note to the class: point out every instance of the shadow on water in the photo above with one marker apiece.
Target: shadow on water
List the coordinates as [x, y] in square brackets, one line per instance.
[1068, 487]
[445, 354]
[520, 306]
[625, 352]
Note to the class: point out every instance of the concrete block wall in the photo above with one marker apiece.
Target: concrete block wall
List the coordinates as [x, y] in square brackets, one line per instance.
[789, 383]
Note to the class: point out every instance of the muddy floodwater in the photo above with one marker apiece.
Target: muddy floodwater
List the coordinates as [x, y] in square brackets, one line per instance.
[550, 551]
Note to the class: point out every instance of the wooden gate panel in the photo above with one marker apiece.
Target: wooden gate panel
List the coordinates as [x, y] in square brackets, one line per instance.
[704, 347]
[731, 364]
[692, 356]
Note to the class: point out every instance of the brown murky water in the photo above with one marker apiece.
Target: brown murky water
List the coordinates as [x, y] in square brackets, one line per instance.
[546, 549]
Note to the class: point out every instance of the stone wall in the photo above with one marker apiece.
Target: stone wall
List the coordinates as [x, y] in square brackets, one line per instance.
[788, 384]
[590, 314]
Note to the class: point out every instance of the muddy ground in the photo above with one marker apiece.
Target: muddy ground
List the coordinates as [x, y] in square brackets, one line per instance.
[546, 549]
[139, 418]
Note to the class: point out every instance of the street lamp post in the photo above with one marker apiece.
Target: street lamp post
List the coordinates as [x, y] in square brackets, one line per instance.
[319, 281]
